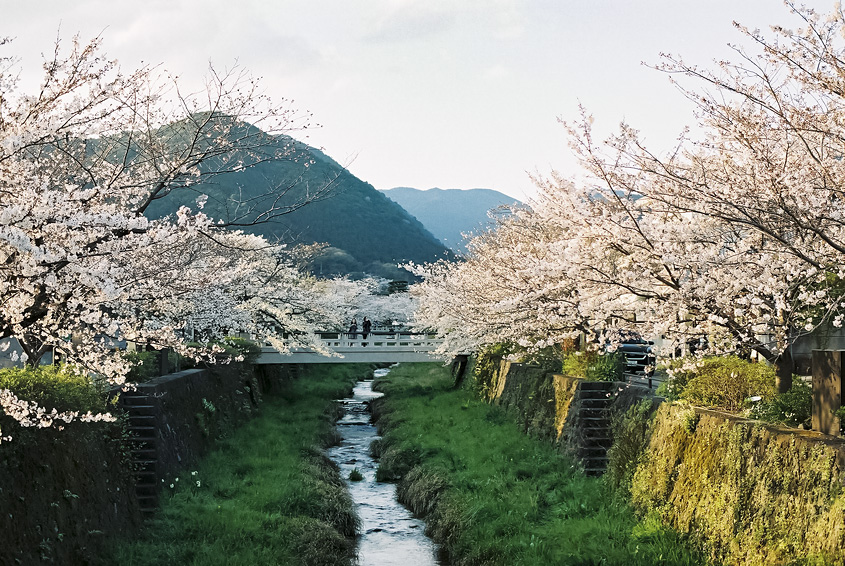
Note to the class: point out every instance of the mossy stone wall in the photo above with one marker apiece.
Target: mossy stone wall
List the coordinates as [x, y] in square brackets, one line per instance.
[539, 398]
[194, 407]
[62, 493]
[751, 494]
[545, 403]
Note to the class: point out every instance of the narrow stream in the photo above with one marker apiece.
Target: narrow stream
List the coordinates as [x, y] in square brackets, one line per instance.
[390, 535]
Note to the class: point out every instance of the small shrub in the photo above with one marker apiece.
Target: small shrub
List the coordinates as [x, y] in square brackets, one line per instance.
[607, 367]
[238, 346]
[575, 364]
[549, 358]
[233, 348]
[723, 382]
[689, 420]
[594, 366]
[355, 475]
[144, 365]
[792, 408]
[62, 387]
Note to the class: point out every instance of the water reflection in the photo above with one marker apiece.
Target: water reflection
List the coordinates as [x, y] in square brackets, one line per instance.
[390, 535]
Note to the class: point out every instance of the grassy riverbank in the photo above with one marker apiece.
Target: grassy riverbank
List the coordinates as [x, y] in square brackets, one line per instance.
[493, 496]
[266, 495]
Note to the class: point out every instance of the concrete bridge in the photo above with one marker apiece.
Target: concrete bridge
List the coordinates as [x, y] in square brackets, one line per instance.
[379, 347]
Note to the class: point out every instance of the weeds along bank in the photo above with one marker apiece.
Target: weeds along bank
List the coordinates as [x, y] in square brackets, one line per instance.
[492, 495]
[266, 494]
[748, 492]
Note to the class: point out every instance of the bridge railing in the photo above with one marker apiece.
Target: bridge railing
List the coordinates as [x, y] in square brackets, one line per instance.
[377, 347]
[381, 339]
[344, 341]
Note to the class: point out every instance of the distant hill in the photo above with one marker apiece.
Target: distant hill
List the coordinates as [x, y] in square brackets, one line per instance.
[366, 231]
[447, 213]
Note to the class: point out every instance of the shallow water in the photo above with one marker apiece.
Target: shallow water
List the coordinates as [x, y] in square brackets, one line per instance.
[390, 535]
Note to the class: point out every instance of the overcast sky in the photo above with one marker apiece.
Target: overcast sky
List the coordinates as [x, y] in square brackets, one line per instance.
[424, 93]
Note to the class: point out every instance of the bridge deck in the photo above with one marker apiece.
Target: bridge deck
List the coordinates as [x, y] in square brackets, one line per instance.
[379, 347]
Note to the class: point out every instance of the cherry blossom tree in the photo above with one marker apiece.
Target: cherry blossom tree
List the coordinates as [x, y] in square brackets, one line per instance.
[769, 165]
[737, 237]
[508, 289]
[83, 158]
[601, 258]
[232, 284]
[369, 297]
[644, 265]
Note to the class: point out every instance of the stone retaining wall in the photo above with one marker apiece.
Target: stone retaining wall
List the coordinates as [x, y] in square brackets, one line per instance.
[188, 410]
[750, 493]
[747, 492]
[548, 405]
[63, 492]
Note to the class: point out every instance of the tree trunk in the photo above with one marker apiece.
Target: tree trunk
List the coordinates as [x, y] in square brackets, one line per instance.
[784, 367]
[459, 366]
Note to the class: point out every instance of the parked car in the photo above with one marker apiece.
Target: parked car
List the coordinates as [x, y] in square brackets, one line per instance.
[639, 358]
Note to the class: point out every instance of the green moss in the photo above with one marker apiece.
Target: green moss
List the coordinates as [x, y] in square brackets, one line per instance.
[486, 369]
[144, 365]
[792, 408]
[631, 433]
[750, 494]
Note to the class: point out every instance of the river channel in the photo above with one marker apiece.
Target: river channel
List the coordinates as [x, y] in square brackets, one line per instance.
[390, 535]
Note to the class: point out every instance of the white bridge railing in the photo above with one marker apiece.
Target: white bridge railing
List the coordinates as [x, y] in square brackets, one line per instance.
[391, 340]
[378, 346]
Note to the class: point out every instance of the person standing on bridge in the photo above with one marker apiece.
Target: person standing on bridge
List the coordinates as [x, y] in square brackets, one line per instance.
[353, 329]
[365, 328]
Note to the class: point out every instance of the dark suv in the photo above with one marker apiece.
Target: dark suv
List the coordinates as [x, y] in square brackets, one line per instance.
[639, 359]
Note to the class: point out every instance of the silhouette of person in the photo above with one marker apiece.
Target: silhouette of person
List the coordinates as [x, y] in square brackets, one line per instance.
[353, 329]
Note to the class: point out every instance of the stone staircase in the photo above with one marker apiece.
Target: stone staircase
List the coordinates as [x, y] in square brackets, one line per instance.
[593, 419]
[142, 426]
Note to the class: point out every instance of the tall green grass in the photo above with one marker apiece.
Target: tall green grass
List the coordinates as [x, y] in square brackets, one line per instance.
[493, 496]
[266, 496]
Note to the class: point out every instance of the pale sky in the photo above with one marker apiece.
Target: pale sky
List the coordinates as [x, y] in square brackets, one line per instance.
[424, 93]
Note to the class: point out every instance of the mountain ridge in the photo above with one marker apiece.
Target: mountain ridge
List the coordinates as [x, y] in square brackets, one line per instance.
[449, 213]
[366, 232]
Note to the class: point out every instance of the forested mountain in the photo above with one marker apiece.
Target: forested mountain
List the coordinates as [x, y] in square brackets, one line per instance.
[366, 232]
[447, 213]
